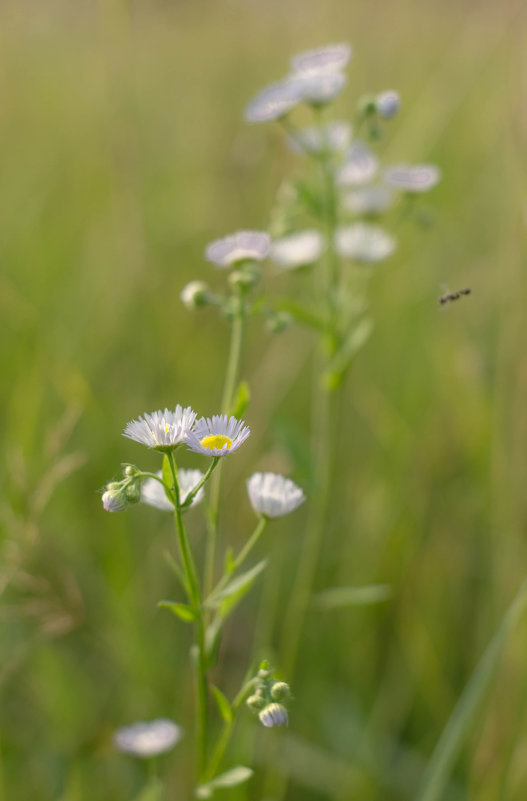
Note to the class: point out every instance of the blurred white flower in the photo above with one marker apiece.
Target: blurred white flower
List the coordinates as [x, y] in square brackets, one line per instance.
[387, 104]
[273, 495]
[318, 88]
[359, 167]
[273, 102]
[367, 200]
[274, 715]
[217, 435]
[412, 178]
[241, 246]
[364, 243]
[334, 137]
[148, 739]
[163, 431]
[296, 250]
[329, 58]
[153, 493]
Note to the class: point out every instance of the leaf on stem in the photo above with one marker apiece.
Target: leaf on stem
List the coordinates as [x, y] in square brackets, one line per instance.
[166, 472]
[241, 400]
[343, 358]
[223, 705]
[231, 778]
[177, 569]
[338, 597]
[230, 565]
[236, 589]
[183, 611]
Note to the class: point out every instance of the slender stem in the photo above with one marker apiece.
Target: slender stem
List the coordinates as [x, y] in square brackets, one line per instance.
[192, 494]
[244, 553]
[226, 732]
[233, 366]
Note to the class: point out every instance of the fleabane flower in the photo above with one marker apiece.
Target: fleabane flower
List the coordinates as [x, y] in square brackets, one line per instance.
[153, 493]
[364, 243]
[359, 167]
[273, 102]
[273, 495]
[160, 430]
[318, 88]
[274, 715]
[334, 137]
[412, 178]
[387, 104]
[329, 58]
[241, 246]
[217, 435]
[148, 739]
[297, 250]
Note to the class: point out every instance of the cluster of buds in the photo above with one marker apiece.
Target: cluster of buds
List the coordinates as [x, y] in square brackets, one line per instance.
[118, 495]
[269, 698]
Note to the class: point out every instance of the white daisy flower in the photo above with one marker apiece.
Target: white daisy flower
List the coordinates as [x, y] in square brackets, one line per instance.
[364, 243]
[217, 435]
[163, 431]
[367, 200]
[273, 495]
[412, 178]
[274, 715]
[334, 137]
[387, 104]
[359, 167]
[148, 739]
[153, 493]
[297, 250]
[241, 246]
[318, 88]
[330, 58]
[273, 102]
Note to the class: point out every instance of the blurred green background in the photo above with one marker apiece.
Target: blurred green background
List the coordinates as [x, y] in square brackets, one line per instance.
[123, 152]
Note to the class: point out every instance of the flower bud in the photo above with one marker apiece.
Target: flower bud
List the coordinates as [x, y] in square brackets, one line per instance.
[195, 294]
[133, 492]
[366, 105]
[256, 702]
[114, 500]
[280, 691]
[274, 715]
[130, 471]
[387, 104]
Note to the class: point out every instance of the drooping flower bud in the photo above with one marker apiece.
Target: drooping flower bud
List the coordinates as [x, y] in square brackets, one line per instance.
[280, 691]
[274, 715]
[114, 500]
[387, 104]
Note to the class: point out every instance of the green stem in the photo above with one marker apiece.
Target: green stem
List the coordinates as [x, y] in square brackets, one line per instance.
[244, 553]
[226, 732]
[191, 495]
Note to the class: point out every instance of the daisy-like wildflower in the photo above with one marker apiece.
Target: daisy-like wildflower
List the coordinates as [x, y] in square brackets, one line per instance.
[148, 739]
[153, 493]
[160, 430]
[273, 495]
[241, 246]
[297, 250]
[359, 167]
[334, 137]
[318, 88]
[274, 715]
[387, 104]
[364, 243]
[273, 102]
[412, 178]
[367, 200]
[217, 435]
[329, 58]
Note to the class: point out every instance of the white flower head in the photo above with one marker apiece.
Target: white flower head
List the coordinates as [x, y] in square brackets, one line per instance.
[364, 243]
[297, 250]
[274, 715]
[387, 104]
[318, 88]
[334, 137]
[153, 493]
[148, 739]
[217, 435]
[160, 430]
[359, 167]
[330, 58]
[273, 102]
[241, 246]
[412, 178]
[273, 495]
[367, 200]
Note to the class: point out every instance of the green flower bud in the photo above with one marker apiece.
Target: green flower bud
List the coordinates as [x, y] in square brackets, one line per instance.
[256, 702]
[130, 471]
[280, 691]
[195, 295]
[133, 492]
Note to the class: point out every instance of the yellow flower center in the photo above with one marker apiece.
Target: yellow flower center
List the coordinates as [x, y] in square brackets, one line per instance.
[216, 441]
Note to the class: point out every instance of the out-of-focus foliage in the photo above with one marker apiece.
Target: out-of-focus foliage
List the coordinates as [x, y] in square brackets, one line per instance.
[123, 152]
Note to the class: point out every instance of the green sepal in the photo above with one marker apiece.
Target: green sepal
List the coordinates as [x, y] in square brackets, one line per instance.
[241, 400]
[231, 778]
[223, 705]
[183, 611]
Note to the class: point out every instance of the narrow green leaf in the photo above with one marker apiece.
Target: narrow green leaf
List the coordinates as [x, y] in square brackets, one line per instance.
[237, 587]
[212, 641]
[231, 778]
[241, 400]
[166, 472]
[342, 360]
[183, 611]
[336, 597]
[438, 771]
[223, 705]
[229, 561]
